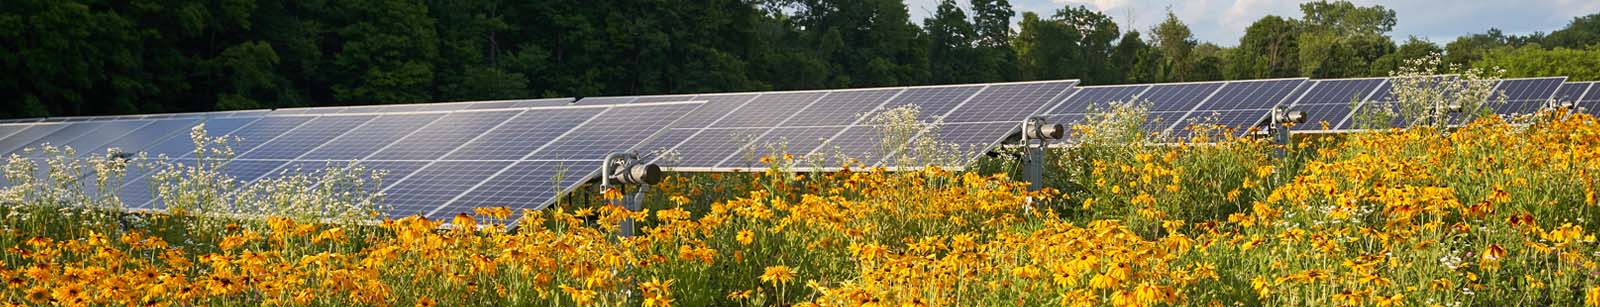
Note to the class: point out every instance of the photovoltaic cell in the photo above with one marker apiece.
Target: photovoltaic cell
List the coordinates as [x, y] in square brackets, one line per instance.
[796, 141]
[525, 185]
[524, 134]
[933, 102]
[369, 138]
[618, 129]
[432, 186]
[1329, 101]
[1179, 97]
[841, 107]
[27, 137]
[716, 106]
[1009, 102]
[661, 145]
[443, 135]
[264, 130]
[8, 130]
[392, 171]
[1571, 92]
[1591, 99]
[768, 109]
[148, 135]
[1526, 96]
[249, 170]
[970, 139]
[1251, 95]
[59, 138]
[605, 100]
[711, 146]
[306, 137]
[861, 144]
[104, 133]
[181, 145]
[1085, 98]
[665, 98]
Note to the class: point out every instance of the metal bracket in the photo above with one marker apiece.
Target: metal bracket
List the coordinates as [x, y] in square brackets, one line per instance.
[621, 169]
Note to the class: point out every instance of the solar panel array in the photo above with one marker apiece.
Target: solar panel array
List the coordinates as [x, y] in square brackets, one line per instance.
[826, 128]
[445, 158]
[441, 160]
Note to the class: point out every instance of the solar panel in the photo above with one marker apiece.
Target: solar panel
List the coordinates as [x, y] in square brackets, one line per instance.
[1169, 103]
[59, 137]
[1009, 102]
[443, 135]
[1591, 98]
[8, 130]
[716, 107]
[663, 98]
[103, 132]
[1330, 101]
[306, 137]
[620, 128]
[181, 145]
[863, 144]
[768, 109]
[526, 184]
[264, 130]
[796, 141]
[1571, 92]
[433, 186]
[522, 135]
[605, 100]
[841, 107]
[969, 139]
[369, 138]
[1526, 96]
[709, 147]
[148, 135]
[1084, 98]
[933, 102]
[1240, 105]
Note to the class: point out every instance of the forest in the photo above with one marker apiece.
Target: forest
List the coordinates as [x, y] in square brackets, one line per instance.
[86, 57]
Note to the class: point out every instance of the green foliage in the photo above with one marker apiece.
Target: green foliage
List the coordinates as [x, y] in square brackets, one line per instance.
[1532, 61]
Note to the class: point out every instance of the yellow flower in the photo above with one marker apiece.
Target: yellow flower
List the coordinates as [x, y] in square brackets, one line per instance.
[745, 237]
[39, 295]
[1590, 298]
[778, 275]
[426, 302]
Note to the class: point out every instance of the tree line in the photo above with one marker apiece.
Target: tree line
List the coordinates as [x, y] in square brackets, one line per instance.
[86, 57]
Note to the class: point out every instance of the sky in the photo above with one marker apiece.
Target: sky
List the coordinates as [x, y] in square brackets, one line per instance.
[1223, 21]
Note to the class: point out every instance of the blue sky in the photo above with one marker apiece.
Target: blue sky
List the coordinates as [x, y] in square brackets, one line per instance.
[1223, 21]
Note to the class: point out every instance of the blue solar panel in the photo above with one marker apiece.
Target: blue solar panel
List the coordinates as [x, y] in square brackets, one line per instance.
[524, 134]
[661, 146]
[264, 130]
[1251, 95]
[1330, 101]
[137, 190]
[933, 101]
[605, 100]
[182, 145]
[431, 187]
[525, 185]
[620, 128]
[1591, 99]
[1526, 96]
[1180, 97]
[443, 135]
[27, 137]
[303, 139]
[796, 141]
[148, 135]
[716, 107]
[59, 138]
[969, 139]
[841, 107]
[1096, 97]
[1009, 102]
[768, 109]
[664, 98]
[862, 144]
[710, 147]
[250, 170]
[103, 133]
[371, 137]
[1239, 105]
[1571, 92]
[8, 130]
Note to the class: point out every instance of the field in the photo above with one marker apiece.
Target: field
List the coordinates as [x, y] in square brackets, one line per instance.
[1490, 214]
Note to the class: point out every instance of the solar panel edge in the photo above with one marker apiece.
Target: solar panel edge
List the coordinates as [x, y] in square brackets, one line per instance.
[564, 134]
